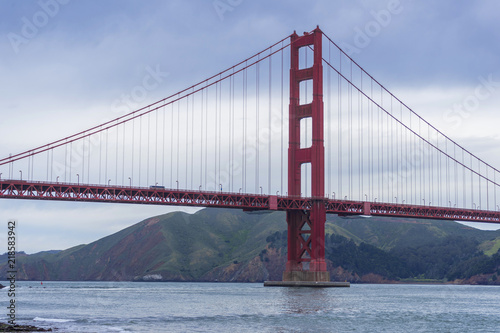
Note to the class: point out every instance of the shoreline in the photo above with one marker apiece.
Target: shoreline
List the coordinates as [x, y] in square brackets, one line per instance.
[409, 281]
[22, 328]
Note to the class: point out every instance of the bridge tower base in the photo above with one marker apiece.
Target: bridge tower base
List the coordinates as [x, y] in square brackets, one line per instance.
[308, 276]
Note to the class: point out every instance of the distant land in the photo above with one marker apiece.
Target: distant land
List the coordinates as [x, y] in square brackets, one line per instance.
[235, 246]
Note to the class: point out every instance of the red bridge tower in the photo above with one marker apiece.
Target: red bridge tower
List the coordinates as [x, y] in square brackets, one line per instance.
[306, 229]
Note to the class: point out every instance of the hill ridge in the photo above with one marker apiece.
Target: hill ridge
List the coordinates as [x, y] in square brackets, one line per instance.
[217, 244]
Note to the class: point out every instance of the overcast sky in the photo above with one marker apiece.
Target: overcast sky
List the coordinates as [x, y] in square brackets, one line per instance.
[66, 63]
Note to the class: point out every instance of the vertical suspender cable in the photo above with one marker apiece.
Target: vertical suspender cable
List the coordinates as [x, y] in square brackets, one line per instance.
[124, 126]
[116, 153]
[244, 179]
[220, 131]
[360, 140]
[48, 158]
[83, 159]
[52, 163]
[140, 152]
[269, 128]
[464, 185]
[351, 137]
[422, 162]
[216, 132]
[70, 159]
[206, 136]
[88, 160]
[156, 147]
[100, 156]
[172, 147]
[177, 137]
[257, 146]
[202, 134]
[148, 144]
[378, 128]
[487, 194]
[105, 163]
[479, 180]
[164, 109]
[186, 144]
[282, 110]
[329, 122]
[339, 125]
[231, 132]
[132, 152]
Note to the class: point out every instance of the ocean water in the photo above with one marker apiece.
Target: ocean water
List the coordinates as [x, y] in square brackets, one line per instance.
[238, 307]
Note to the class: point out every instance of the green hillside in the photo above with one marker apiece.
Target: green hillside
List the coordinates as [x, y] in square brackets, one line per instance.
[389, 233]
[232, 245]
[490, 247]
[176, 246]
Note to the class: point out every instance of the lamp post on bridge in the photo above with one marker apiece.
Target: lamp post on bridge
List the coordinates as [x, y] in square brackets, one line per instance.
[109, 182]
[21, 177]
[57, 179]
[77, 179]
[130, 181]
[260, 190]
[0, 176]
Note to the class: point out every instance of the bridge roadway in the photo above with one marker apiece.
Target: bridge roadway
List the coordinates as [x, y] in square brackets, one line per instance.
[18, 189]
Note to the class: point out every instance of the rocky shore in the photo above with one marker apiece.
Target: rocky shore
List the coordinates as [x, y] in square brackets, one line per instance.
[22, 328]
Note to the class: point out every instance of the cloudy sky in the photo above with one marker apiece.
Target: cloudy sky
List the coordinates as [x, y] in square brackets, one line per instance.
[66, 63]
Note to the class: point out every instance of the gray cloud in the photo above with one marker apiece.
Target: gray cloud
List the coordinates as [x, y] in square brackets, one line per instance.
[69, 73]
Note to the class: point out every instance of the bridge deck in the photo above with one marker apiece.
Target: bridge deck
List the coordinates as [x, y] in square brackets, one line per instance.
[17, 189]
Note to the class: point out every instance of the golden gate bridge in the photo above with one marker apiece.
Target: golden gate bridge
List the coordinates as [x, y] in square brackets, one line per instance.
[298, 127]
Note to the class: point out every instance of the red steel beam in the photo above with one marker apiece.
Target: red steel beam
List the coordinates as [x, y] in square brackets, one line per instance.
[16, 189]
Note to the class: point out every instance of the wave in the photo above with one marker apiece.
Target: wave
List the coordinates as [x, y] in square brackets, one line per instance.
[53, 320]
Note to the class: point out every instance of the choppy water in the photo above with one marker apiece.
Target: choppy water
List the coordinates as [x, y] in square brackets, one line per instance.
[228, 307]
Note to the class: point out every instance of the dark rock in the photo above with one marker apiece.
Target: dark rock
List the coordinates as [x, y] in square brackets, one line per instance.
[22, 328]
